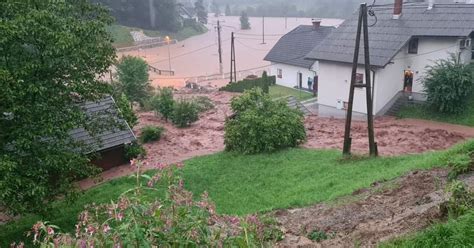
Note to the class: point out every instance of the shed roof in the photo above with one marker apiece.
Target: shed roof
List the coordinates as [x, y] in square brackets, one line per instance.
[112, 137]
[295, 45]
[388, 35]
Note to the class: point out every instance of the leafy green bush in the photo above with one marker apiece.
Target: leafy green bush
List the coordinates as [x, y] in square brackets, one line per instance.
[459, 163]
[246, 84]
[262, 125]
[163, 103]
[318, 236]
[461, 200]
[126, 110]
[203, 103]
[134, 150]
[184, 113]
[448, 84]
[151, 133]
[174, 220]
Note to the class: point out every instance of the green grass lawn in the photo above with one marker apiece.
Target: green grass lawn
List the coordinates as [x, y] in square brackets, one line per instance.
[424, 112]
[122, 37]
[455, 233]
[248, 184]
[277, 91]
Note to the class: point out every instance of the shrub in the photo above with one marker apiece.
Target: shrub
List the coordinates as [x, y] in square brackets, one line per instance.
[461, 200]
[448, 84]
[134, 150]
[184, 113]
[203, 103]
[126, 110]
[318, 236]
[151, 133]
[459, 163]
[247, 84]
[163, 103]
[175, 220]
[262, 125]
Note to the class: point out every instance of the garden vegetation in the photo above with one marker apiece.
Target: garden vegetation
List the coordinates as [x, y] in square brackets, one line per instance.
[262, 125]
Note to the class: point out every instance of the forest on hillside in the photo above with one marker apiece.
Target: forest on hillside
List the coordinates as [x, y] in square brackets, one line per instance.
[295, 8]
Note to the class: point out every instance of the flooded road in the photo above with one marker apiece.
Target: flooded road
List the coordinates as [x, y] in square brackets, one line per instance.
[196, 59]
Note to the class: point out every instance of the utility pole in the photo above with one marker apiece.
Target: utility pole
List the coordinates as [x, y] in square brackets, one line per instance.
[169, 52]
[220, 47]
[362, 23]
[263, 29]
[286, 22]
[233, 67]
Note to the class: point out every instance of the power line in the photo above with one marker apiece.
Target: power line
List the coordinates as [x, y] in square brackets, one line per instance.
[249, 47]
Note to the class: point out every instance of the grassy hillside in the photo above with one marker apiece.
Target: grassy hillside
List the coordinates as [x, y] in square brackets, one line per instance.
[247, 184]
[122, 37]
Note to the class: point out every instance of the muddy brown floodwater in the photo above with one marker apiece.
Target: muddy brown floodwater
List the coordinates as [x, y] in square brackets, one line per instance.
[206, 136]
[197, 57]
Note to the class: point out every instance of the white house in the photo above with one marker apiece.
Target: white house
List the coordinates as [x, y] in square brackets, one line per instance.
[404, 40]
[287, 57]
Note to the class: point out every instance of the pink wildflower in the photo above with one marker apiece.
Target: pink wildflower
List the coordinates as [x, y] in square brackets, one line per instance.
[106, 228]
[91, 230]
[50, 231]
[120, 216]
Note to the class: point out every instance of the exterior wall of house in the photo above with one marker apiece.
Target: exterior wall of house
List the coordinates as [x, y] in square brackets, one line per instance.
[334, 77]
[334, 82]
[290, 75]
[110, 158]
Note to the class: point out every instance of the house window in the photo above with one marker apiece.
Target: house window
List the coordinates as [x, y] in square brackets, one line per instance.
[279, 73]
[413, 46]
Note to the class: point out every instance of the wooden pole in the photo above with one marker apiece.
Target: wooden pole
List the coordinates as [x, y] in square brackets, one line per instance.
[347, 133]
[370, 116]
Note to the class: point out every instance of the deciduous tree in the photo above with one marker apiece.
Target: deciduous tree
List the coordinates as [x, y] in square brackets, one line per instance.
[52, 56]
[132, 73]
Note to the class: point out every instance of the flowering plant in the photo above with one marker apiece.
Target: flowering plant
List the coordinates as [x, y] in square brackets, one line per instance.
[174, 221]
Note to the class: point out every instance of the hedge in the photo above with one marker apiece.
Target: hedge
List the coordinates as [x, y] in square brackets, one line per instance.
[241, 86]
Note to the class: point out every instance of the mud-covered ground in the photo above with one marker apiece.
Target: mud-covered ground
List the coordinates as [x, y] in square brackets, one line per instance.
[206, 136]
[370, 216]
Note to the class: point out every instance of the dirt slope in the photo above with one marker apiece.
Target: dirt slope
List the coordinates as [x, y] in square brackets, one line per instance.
[382, 212]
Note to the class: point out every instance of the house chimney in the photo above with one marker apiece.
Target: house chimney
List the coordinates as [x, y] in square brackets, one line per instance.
[397, 9]
[316, 23]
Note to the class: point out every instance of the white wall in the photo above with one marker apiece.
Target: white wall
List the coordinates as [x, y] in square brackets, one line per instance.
[289, 75]
[334, 78]
[334, 82]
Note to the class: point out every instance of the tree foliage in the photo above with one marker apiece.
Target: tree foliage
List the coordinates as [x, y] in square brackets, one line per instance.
[228, 11]
[244, 21]
[154, 14]
[50, 59]
[163, 103]
[133, 78]
[448, 83]
[262, 125]
[126, 110]
[216, 8]
[184, 113]
[201, 11]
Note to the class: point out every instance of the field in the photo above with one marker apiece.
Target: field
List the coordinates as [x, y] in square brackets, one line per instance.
[277, 91]
[248, 184]
[122, 37]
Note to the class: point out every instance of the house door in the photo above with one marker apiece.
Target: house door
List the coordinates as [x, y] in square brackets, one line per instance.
[408, 81]
[300, 80]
